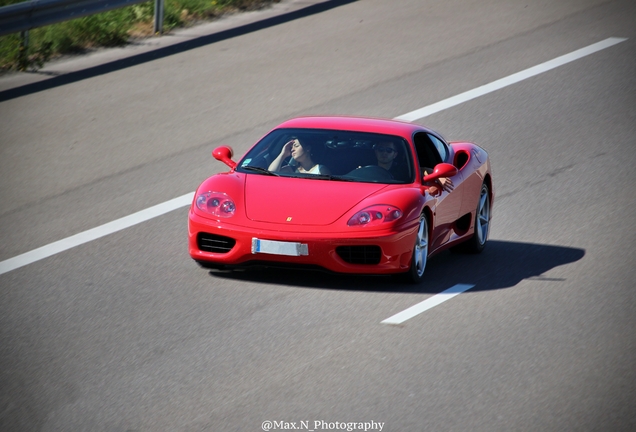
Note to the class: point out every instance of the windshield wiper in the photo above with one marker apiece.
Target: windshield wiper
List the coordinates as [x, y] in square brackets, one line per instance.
[331, 177]
[312, 176]
[260, 170]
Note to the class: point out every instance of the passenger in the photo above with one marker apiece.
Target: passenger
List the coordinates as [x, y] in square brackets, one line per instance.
[444, 183]
[301, 153]
[386, 153]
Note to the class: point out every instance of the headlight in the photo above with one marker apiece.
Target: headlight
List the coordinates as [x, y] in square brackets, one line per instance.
[375, 215]
[216, 203]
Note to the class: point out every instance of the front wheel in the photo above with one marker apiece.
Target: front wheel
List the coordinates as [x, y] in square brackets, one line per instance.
[420, 254]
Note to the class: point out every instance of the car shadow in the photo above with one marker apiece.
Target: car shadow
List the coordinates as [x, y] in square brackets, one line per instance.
[502, 264]
[177, 48]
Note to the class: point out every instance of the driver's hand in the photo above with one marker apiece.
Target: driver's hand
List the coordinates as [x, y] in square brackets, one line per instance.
[286, 150]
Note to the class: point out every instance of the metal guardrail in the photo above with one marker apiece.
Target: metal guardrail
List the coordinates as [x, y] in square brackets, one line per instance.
[22, 17]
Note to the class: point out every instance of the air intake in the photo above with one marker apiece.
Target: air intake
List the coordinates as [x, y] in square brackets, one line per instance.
[215, 243]
[360, 254]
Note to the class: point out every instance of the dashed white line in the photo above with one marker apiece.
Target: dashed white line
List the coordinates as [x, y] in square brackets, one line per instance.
[430, 302]
[185, 200]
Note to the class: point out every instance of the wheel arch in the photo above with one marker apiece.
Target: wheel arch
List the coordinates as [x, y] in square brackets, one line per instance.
[428, 213]
[488, 182]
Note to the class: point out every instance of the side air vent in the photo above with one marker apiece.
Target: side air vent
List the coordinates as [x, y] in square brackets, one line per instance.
[214, 243]
[360, 254]
[461, 159]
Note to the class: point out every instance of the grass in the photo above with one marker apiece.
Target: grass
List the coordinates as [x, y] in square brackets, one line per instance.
[108, 29]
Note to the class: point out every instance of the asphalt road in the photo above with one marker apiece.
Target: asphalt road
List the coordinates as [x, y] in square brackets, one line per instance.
[126, 333]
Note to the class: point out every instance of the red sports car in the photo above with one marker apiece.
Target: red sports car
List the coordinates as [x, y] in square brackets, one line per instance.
[346, 194]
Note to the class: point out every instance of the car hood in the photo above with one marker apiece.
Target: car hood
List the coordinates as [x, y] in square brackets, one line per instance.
[299, 201]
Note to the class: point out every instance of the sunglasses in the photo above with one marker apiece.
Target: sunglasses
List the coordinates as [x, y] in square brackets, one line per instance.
[384, 149]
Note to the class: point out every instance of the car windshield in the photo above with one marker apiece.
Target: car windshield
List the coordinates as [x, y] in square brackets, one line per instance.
[331, 155]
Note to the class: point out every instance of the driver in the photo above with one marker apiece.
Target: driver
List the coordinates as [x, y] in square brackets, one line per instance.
[302, 154]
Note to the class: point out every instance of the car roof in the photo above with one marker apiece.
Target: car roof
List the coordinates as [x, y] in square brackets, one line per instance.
[358, 124]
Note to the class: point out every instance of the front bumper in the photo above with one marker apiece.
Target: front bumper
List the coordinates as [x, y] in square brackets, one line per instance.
[354, 251]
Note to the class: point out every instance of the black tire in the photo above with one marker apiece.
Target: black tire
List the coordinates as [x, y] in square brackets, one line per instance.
[477, 242]
[415, 274]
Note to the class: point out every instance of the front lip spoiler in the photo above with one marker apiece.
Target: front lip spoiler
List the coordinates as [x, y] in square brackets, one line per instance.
[258, 264]
[234, 270]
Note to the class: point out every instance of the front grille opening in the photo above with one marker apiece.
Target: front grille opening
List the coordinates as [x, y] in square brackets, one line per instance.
[360, 254]
[214, 243]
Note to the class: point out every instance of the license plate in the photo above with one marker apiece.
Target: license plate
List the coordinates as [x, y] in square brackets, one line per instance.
[279, 248]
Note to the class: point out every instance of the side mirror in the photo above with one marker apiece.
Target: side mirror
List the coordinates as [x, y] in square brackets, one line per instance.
[224, 154]
[441, 170]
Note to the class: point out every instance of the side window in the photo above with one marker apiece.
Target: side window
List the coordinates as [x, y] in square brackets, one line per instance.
[440, 146]
[427, 154]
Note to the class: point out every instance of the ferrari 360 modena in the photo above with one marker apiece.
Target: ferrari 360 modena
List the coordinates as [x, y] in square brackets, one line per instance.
[343, 194]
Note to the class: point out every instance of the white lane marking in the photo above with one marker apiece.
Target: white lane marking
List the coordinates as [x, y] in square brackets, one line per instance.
[95, 233]
[430, 302]
[159, 209]
[509, 80]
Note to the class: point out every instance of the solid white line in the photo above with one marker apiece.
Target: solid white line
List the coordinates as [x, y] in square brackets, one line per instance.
[430, 302]
[185, 200]
[509, 80]
[95, 233]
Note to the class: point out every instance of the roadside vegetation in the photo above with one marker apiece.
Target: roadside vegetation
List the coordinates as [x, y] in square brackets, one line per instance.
[109, 29]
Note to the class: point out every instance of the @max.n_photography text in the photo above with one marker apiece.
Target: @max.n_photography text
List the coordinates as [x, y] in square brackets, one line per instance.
[321, 425]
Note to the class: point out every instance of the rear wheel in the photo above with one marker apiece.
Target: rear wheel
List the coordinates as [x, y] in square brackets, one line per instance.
[420, 254]
[482, 224]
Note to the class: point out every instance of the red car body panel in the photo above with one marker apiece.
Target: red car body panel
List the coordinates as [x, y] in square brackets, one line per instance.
[307, 202]
[315, 212]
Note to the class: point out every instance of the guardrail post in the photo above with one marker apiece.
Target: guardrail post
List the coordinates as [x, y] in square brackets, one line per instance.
[158, 16]
[23, 51]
